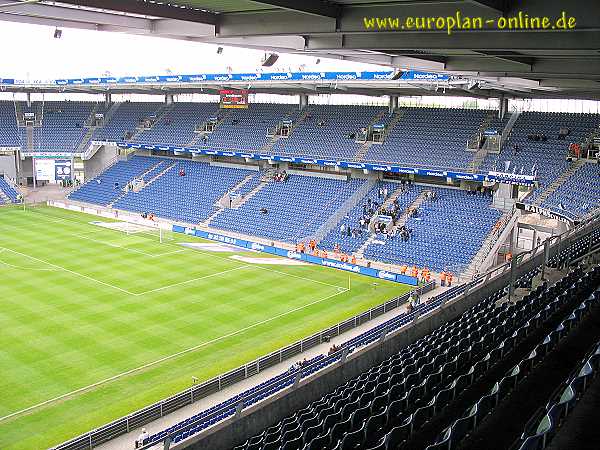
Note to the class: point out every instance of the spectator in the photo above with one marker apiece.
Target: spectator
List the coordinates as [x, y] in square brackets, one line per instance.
[141, 438]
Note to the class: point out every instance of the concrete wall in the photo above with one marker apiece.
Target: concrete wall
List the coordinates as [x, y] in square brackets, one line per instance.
[26, 169]
[7, 165]
[100, 159]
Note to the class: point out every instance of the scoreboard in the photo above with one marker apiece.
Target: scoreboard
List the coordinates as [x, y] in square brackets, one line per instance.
[233, 98]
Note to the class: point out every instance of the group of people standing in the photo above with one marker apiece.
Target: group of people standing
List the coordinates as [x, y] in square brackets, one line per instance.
[423, 275]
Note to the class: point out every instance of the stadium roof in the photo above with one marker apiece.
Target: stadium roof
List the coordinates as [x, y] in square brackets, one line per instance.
[521, 63]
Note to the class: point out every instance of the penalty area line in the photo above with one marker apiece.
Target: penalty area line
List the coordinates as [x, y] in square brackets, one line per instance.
[167, 358]
[162, 288]
[72, 272]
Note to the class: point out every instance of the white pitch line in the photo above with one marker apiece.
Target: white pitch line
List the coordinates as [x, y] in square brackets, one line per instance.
[149, 255]
[167, 358]
[298, 276]
[70, 271]
[192, 280]
[205, 253]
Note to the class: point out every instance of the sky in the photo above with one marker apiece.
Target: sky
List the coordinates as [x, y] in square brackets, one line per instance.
[37, 55]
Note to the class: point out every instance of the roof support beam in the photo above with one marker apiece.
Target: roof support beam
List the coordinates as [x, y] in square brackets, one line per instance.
[313, 7]
[500, 6]
[149, 9]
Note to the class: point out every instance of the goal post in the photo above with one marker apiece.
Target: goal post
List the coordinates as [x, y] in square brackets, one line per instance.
[152, 229]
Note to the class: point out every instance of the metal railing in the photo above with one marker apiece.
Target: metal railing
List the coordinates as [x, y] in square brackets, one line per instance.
[197, 392]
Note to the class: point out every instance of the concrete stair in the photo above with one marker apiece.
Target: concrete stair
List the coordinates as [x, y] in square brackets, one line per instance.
[270, 144]
[508, 128]
[160, 113]
[87, 137]
[223, 200]
[124, 192]
[243, 200]
[333, 221]
[251, 194]
[476, 265]
[30, 143]
[472, 143]
[558, 182]
[212, 216]
[167, 169]
[405, 214]
[364, 149]
[402, 220]
[478, 159]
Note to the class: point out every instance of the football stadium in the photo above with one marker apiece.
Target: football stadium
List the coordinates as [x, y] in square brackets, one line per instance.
[299, 225]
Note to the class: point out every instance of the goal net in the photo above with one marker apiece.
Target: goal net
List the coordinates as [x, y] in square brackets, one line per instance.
[151, 230]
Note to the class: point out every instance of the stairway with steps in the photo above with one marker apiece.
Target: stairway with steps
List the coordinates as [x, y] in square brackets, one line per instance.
[30, 143]
[194, 140]
[87, 137]
[251, 194]
[508, 128]
[224, 115]
[401, 221]
[224, 200]
[270, 144]
[245, 198]
[475, 266]
[167, 168]
[414, 205]
[398, 114]
[473, 142]
[364, 149]
[124, 191]
[160, 113]
[274, 139]
[478, 159]
[558, 182]
[111, 111]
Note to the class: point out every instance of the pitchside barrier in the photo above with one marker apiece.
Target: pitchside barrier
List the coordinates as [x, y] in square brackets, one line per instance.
[333, 263]
[164, 407]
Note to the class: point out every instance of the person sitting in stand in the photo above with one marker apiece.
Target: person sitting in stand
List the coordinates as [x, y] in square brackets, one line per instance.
[141, 438]
[353, 260]
[264, 210]
[182, 172]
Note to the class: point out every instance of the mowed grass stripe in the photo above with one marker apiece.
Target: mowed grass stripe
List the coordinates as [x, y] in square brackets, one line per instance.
[61, 332]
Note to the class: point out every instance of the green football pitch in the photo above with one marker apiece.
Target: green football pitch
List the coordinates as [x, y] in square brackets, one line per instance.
[96, 323]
